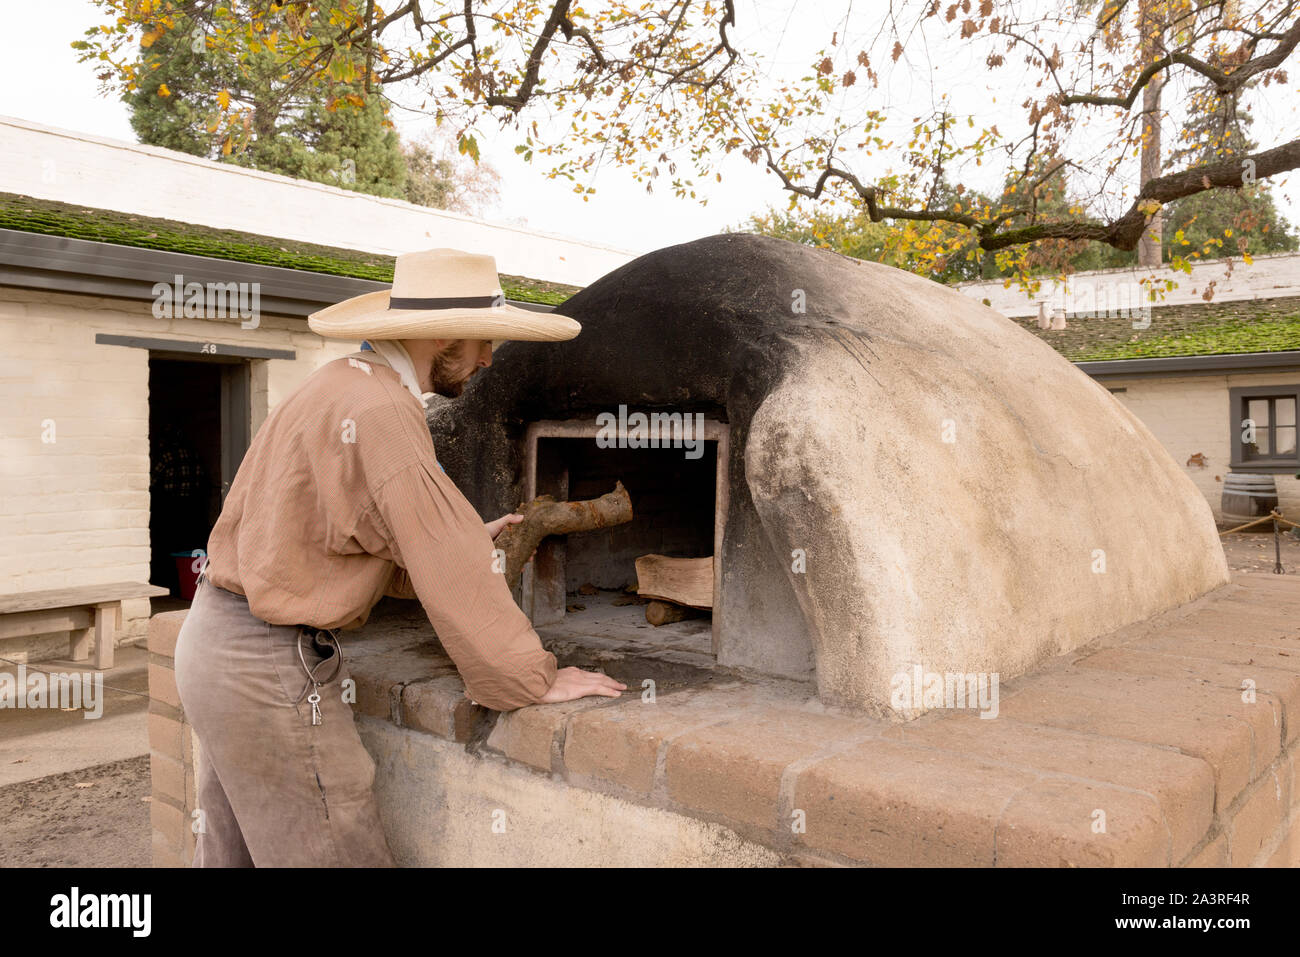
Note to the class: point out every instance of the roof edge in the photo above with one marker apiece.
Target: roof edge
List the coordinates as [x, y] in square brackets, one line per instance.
[1230, 362]
[176, 156]
[91, 267]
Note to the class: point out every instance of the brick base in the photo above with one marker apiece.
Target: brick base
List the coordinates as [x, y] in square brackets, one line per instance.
[171, 750]
[1144, 753]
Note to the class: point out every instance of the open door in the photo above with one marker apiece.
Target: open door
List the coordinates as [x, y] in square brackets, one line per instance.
[199, 430]
[236, 421]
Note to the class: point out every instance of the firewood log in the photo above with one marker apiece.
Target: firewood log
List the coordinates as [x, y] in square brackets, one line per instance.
[663, 612]
[685, 581]
[545, 516]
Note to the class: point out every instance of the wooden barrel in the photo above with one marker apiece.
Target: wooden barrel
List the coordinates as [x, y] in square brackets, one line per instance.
[1247, 497]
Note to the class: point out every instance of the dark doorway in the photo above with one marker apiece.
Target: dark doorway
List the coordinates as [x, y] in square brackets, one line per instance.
[672, 502]
[198, 433]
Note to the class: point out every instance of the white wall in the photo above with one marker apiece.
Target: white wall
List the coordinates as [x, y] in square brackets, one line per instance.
[1189, 415]
[75, 511]
[1268, 277]
[69, 167]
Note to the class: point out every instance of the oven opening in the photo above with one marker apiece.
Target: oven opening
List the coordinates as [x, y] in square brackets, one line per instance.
[589, 580]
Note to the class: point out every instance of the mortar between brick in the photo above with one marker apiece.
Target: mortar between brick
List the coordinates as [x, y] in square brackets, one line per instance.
[790, 776]
[1288, 832]
[1053, 775]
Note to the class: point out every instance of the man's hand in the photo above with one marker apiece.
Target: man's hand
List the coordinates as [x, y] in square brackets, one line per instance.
[495, 526]
[572, 683]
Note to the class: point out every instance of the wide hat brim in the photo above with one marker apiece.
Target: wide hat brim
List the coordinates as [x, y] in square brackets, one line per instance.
[368, 317]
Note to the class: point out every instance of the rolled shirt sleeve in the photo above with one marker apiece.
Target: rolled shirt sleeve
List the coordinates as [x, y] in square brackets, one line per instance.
[438, 538]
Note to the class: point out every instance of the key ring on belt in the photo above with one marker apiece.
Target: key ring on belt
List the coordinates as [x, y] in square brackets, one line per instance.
[313, 682]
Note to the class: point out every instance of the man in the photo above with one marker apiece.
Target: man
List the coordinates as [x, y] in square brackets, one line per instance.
[340, 500]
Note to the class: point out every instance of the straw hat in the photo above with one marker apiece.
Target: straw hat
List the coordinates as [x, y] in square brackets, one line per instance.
[440, 294]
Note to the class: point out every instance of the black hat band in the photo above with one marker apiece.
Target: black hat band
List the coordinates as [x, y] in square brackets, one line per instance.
[460, 302]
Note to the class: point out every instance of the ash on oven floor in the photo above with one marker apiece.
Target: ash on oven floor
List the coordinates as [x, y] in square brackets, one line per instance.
[614, 637]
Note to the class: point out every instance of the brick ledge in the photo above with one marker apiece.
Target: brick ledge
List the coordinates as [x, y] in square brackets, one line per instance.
[1139, 751]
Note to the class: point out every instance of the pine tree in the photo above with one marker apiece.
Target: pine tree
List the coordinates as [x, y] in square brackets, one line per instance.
[1222, 222]
[338, 133]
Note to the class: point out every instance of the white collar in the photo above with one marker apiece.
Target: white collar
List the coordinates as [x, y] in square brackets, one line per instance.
[392, 352]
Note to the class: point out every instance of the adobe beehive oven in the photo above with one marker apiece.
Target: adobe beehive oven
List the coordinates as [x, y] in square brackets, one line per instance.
[903, 476]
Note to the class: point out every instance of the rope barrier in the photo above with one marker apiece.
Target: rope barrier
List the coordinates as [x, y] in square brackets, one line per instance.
[1276, 518]
[1275, 514]
[51, 674]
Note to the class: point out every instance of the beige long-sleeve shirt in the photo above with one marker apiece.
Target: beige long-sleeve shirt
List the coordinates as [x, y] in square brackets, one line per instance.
[340, 500]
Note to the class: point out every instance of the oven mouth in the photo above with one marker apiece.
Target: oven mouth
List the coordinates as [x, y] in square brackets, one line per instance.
[679, 505]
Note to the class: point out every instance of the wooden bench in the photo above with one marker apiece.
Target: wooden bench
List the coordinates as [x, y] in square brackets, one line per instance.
[80, 611]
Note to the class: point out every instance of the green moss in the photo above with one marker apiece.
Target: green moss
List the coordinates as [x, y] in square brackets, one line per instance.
[124, 229]
[1192, 329]
[1278, 334]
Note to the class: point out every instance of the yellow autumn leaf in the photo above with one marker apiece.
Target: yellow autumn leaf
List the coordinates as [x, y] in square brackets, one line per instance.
[1246, 258]
[223, 98]
[163, 91]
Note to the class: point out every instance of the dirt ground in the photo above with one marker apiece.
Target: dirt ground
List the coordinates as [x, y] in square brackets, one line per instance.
[52, 822]
[1252, 552]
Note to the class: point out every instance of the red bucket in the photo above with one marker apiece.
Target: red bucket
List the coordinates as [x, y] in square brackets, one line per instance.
[186, 563]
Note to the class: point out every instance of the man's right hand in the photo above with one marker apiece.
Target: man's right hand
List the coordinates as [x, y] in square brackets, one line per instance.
[573, 683]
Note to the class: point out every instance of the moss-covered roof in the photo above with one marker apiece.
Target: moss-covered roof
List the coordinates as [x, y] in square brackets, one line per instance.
[125, 229]
[1229, 328]
[1271, 325]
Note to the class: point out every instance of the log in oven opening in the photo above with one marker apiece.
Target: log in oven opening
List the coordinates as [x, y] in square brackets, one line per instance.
[679, 507]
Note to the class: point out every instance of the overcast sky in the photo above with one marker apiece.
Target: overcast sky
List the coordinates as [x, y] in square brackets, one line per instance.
[44, 83]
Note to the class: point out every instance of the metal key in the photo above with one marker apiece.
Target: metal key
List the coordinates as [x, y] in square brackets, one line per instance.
[313, 681]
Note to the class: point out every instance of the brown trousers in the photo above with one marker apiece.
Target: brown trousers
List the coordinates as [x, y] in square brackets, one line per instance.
[274, 790]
